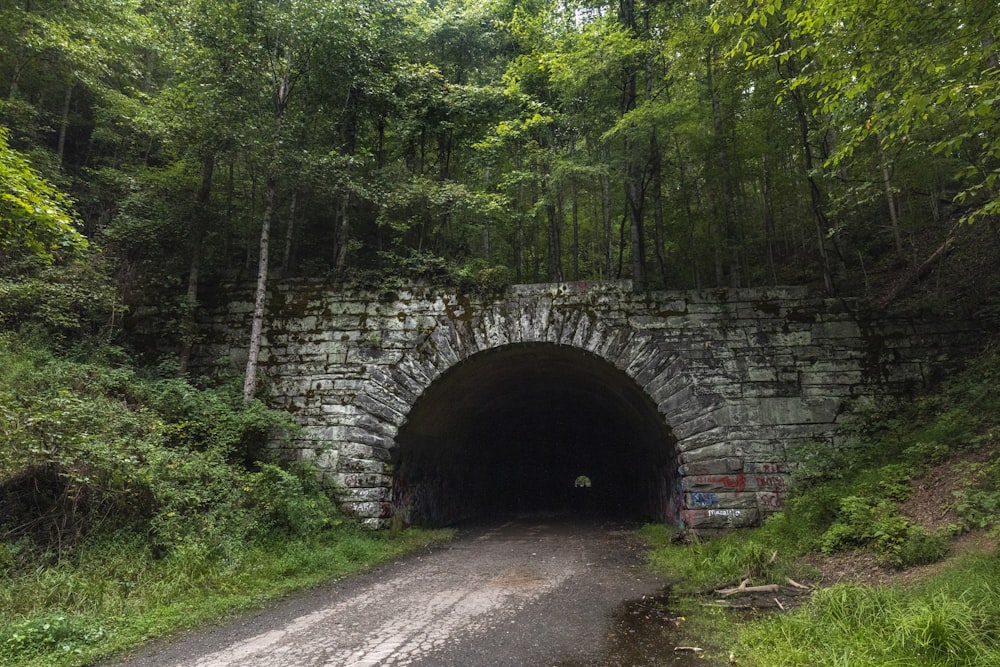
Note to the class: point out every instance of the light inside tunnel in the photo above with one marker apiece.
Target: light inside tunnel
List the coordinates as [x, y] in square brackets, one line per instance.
[514, 430]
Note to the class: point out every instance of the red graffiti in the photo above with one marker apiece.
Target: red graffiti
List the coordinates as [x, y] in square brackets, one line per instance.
[769, 502]
[736, 482]
[772, 483]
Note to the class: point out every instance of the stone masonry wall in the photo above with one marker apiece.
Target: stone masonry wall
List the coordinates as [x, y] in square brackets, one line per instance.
[739, 375]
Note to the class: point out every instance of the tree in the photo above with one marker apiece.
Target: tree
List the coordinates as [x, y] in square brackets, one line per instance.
[35, 218]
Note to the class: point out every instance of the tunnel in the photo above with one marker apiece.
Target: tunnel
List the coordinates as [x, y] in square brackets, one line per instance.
[533, 428]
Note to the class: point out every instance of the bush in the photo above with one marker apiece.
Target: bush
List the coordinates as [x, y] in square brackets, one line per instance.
[479, 277]
[290, 503]
[91, 448]
[876, 524]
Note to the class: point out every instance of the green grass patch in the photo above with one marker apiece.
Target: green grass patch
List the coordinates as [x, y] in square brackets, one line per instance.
[951, 620]
[112, 594]
[763, 555]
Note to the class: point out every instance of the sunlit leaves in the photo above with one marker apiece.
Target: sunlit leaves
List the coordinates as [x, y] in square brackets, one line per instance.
[902, 74]
[34, 216]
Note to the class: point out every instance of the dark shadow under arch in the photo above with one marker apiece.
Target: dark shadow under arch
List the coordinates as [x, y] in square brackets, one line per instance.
[512, 428]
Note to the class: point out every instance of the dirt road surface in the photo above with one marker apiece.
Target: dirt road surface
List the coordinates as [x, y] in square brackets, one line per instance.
[546, 591]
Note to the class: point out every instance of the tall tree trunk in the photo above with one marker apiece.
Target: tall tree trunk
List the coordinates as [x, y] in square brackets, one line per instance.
[260, 295]
[554, 216]
[789, 69]
[608, 223]
[989, 45]
[635, 205]
[634, 190]
[769, 217]
[815, 195]
[487, 241]
[64, 122]
[343, 234]
[622, 232]
[682, 168]
[658, 221]
[286, 259]
[20, 62]
[198, 228]
[282, 93]
[890, 199]
[536, 256]
[519, 229]
[725, 177]
[575, 215]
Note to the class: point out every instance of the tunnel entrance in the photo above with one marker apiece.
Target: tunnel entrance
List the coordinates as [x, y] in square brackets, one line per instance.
[534, 427]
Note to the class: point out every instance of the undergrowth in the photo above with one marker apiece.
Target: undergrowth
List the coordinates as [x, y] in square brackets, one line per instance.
[848, 499]
[133, 504]
[115, 592]
[950, 620]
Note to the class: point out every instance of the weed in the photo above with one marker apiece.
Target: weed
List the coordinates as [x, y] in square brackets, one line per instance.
[730, 557]
[950, 621]
[132, 506]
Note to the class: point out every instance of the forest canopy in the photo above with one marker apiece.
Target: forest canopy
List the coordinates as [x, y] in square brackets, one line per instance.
[680, 144]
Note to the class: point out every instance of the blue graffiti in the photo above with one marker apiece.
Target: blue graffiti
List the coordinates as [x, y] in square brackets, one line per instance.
[704, 499]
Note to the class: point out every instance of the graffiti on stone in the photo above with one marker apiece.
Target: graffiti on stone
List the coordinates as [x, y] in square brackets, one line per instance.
[703, 499]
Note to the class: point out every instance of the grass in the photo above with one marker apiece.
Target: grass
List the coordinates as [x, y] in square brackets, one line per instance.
[763, 555]
[849, 499]
[113, 594]
[951, 620]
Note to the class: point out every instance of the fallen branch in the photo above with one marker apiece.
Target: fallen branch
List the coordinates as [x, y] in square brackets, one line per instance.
[778, 602]
[795, 584]
[688, 649]
[919, 272]
[724, 584]
[743, 590]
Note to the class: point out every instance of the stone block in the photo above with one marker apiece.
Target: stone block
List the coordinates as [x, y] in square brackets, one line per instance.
[793, 410]
[721, 500]
[719, 518]
[713, 466]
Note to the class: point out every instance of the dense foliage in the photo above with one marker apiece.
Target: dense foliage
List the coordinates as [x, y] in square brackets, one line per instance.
[134, 503]
[679, 144]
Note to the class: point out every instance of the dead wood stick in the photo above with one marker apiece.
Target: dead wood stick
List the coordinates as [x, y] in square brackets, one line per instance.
[916, 273]
[724, 584]
[688, 649]
[795, 584]
[742, 590]
[778, 602]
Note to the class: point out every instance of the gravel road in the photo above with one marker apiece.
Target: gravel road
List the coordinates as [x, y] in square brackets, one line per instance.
[540, 590]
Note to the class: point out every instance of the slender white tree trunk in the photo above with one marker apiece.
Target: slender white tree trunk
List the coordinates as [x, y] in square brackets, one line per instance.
[260, 296]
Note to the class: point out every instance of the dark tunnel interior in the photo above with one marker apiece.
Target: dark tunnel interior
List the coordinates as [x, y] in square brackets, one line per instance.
[525, 428]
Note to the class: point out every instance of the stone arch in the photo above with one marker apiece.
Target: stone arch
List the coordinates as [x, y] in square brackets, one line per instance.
[695, 417]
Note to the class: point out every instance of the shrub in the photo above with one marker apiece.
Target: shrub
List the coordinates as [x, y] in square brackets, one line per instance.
[92, 448]
[290, 503]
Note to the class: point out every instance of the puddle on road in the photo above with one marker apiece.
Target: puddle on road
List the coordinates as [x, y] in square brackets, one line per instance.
[642, 633]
